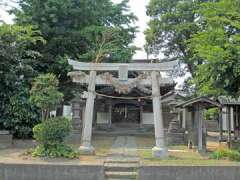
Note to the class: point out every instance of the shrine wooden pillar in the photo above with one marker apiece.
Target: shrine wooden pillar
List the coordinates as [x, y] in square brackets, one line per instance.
[160, 149]
[221, 125]
[229, 128]
[232, 124]
[237, 120]
[184, 117]
[86, 146]
[200, 120]
[235, 123]
[110, 114]
[141, 116]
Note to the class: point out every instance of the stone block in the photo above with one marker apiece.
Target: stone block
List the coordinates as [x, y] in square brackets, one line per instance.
[175, 138]
[86, 150]
[159, 152]
[73, 138]
[6, 139]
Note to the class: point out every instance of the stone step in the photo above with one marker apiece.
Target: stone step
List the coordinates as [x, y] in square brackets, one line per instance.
[121, 166]
[119, 179]
[120, 175]
[122, 160]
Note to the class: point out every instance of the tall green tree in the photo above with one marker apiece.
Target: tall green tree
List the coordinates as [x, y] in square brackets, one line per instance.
[172, 24]
[64, 24]
[16, 72]
[219, 46]
[45, 94]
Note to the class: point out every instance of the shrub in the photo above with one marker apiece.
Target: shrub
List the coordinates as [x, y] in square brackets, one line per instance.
[232, 155]
[220, 154]
[211, 114]
[52, 131]
[45, 94]
[20, 115]
[54, 151]
[50, 134]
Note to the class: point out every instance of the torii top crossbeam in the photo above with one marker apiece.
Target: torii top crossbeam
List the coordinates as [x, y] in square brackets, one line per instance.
[123, 80]
[82, 66]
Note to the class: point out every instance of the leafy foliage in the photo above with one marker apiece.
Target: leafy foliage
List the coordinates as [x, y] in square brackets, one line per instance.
[172, 23]
[219, 46]
[232, 155]
[104, 43]
[65, 23]
[52, 131]
[51, 135]
[20, 115]
[55, 151]
[44, 93]
[204, 34]
[16, 72]
[211, 114]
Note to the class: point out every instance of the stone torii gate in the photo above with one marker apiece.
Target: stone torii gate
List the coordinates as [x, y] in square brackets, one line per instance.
[151, 76]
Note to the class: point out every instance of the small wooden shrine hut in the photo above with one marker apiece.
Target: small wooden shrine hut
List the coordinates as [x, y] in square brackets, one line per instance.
[230, 121]
[194, 118]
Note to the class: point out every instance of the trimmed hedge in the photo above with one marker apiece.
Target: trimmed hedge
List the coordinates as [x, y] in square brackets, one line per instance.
[52, 131]
[51, 134]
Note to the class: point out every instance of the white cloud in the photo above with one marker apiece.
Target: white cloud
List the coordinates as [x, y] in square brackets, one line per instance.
[138, 7]
[4, 16]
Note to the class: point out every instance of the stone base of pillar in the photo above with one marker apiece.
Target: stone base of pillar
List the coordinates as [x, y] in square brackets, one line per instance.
[159, 152]
[202, 151]
[73, 138]
[87, 150]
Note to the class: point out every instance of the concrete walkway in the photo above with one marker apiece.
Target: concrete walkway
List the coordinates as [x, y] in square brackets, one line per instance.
[124, 146]
[122, 161]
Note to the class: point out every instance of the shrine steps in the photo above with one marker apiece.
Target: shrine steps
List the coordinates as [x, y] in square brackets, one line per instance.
[121, 169]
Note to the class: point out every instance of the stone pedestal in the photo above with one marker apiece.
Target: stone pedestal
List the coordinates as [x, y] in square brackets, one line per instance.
[78, 106]
[87, 150]
[175, 134]
[160, 152]
[6, 139]
[77, 114]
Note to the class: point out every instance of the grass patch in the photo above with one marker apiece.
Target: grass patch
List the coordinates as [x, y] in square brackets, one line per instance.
[183, 158]
[233, 155]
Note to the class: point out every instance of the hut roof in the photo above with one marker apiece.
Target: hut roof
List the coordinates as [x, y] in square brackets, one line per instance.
[207, 102]
[224, 100]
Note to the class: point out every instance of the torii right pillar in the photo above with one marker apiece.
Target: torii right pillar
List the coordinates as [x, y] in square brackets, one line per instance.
[160, 150]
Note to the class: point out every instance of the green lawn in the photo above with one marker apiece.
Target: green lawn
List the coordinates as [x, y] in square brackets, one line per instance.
[178, 155]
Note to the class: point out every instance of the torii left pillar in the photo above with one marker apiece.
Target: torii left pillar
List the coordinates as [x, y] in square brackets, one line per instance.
[160, 149]
[86, 145]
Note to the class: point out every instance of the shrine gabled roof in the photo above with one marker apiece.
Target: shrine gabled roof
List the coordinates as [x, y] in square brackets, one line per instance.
[224, 100]
[200, 100]
[173, 98]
